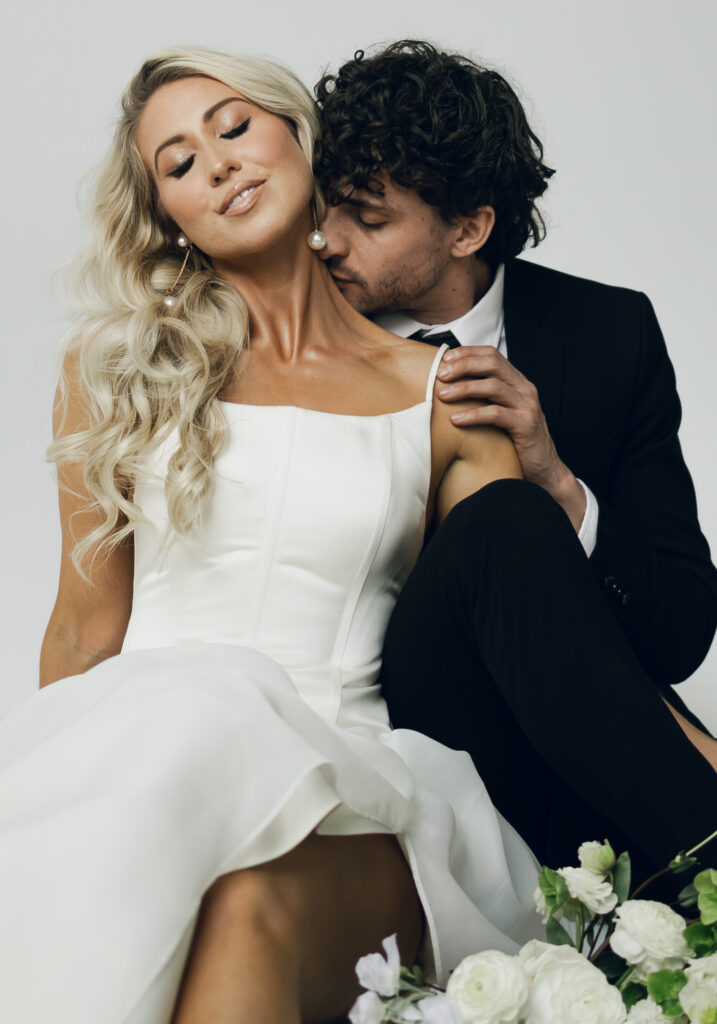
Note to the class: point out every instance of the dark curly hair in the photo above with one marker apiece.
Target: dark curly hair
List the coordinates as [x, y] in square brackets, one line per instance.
[439, 124]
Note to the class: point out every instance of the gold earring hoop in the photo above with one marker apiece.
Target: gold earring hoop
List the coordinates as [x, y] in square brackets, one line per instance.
[317, 239]
[183, 243]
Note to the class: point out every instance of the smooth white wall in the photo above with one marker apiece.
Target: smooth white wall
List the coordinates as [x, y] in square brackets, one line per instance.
[623, 93]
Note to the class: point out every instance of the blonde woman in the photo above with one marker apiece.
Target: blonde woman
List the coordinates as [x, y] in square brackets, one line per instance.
[206, 816]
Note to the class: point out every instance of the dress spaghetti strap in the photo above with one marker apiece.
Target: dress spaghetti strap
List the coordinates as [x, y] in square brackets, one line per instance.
[434, 370]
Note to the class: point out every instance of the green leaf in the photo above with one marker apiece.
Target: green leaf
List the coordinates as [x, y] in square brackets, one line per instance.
[554, 888]
[681, 863]
[632, 993]
[611, 965]
[702, 938]
[706, 886]
[621, 876]
[688, 896]
[556, 934]
[665, 988]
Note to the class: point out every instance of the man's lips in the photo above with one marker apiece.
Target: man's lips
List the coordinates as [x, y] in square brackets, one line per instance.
[343, 280]
[241, 196]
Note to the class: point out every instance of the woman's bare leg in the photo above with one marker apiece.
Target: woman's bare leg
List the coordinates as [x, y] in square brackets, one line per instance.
[277, 944]
[704, 743]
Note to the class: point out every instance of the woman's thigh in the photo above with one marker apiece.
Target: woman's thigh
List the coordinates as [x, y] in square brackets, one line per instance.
[337, 897]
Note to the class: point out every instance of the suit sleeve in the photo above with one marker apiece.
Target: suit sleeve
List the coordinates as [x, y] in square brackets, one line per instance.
[651, 557]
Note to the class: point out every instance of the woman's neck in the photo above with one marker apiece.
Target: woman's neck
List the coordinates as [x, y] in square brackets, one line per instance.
[290, 299]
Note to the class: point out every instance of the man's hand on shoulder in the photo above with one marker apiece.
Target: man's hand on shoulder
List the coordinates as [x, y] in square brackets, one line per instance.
[510, 401]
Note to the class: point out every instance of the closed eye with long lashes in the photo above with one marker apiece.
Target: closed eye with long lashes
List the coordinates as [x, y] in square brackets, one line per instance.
[233, 133]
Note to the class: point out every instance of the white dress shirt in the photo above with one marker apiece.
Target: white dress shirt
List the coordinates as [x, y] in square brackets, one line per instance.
[484, 324]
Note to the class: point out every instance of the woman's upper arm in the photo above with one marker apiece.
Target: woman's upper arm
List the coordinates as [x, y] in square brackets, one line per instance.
[90, 616]
[478, 455]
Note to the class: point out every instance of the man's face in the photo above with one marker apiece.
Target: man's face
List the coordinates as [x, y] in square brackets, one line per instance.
[387, 251]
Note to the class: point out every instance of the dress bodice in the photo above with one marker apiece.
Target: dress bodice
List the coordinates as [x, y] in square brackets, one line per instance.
[255, 574]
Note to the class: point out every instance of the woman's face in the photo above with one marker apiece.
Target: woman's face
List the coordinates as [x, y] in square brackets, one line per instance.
[231, 175]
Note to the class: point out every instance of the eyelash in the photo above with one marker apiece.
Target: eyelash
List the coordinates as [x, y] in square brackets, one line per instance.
[239, 130]
[372, 227]
[234, 133]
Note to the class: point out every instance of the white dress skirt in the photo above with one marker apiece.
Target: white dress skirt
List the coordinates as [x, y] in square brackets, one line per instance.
[242, 714]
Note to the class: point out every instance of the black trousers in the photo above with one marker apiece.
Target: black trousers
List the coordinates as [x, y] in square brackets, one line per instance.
[502, 644]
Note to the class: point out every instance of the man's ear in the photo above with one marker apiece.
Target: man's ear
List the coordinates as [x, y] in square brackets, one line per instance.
[474, 231]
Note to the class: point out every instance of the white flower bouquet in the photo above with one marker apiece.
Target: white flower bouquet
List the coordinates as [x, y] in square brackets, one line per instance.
[611, 958]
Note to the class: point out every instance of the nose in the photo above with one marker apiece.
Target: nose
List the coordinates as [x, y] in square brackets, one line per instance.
[221, 164]
[337, 245]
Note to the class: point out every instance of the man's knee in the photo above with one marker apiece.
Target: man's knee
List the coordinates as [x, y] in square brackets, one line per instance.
[514, 509]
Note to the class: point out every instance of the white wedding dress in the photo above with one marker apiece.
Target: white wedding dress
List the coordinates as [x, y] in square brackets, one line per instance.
[242, 714]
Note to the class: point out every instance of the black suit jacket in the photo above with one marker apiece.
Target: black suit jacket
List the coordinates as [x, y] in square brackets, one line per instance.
[607, 388]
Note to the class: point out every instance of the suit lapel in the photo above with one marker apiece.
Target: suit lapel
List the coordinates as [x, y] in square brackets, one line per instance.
[534, 347]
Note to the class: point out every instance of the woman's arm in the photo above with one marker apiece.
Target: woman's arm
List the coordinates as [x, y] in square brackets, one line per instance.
[90, 616]
[472, 458]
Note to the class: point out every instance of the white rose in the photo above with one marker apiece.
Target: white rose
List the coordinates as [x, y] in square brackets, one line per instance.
[597, 857]
[699, 996]
[381, 974]
[647, 1012]
[590, 889]
[573, 992]
[538, 957]
[368, 1009]
[648, 935]
[438, 1010]
[488, 988]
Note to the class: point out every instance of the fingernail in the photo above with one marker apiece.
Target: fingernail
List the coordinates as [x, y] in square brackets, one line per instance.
[457, 416]
[445, 392]
[444, 372]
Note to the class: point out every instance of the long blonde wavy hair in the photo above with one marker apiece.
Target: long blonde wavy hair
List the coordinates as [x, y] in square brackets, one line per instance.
[144, 368]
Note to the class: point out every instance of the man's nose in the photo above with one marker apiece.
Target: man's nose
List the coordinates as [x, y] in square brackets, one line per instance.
[337, 246]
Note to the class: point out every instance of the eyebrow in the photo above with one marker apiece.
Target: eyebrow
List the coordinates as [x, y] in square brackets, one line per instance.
[206, 118]
[369, 204]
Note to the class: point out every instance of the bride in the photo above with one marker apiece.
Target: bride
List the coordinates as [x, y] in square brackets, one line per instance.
[206, 816]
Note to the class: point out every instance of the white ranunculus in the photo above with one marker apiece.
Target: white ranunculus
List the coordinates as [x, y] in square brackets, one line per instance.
[368, 1009]
[538, 957]
[590, 889]
[438, 1010]
[380, 974]
[648, 1012]
[649, 936]
[573, 992]
[699, 996]
[597, 857]
[488, 988]
[540, 905]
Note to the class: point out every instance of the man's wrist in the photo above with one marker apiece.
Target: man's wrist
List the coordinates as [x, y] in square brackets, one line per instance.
[570, 495]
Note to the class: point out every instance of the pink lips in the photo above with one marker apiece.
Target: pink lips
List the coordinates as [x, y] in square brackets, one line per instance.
[231, 205]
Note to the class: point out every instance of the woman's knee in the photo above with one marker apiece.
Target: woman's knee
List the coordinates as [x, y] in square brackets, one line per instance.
[257, 900]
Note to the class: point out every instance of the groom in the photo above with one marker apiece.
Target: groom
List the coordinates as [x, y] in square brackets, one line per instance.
[547, 666]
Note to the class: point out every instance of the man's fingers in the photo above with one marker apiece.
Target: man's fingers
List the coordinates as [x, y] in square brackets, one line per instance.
[489, 389]
[487, 416]
[476, 361]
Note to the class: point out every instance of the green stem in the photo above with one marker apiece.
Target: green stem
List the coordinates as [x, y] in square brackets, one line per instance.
[666, 870]
[623, 979]
[703, 843]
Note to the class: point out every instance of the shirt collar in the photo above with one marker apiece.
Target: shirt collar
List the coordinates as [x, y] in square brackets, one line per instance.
[481, 325]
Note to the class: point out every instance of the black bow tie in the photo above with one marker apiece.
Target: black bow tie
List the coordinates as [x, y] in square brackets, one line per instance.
[436, 339]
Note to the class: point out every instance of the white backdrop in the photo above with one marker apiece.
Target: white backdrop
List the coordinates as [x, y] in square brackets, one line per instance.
[622, 92]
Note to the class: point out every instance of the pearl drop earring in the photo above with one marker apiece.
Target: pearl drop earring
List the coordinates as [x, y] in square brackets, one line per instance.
[317, 239]
[183, 243]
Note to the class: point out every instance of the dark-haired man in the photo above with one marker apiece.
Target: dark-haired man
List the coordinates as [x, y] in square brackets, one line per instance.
[549, 668]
